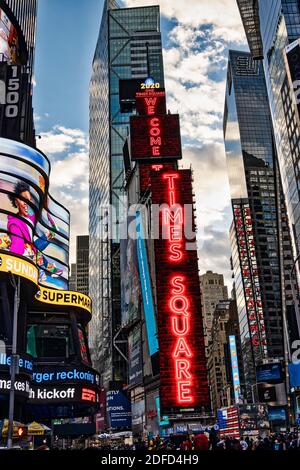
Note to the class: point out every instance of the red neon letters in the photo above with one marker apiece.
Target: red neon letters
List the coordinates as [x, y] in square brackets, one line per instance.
[183, 376]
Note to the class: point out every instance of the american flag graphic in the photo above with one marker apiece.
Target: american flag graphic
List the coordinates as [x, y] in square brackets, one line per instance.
[228, 422]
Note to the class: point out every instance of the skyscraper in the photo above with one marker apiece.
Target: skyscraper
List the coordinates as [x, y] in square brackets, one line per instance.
[257, 213]
[213, 291]
[82, 264]
[270, 26]
[128, 47]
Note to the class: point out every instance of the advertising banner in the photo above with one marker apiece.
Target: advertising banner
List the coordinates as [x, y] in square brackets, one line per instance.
[144, 273]
[130, 283]
[183, 374]
[294, 373]
[253, 417]
[118, 409]
[32, 224]
[138, 415]
[60, 393]
[135, 356]
[150, 102]
[269, 373]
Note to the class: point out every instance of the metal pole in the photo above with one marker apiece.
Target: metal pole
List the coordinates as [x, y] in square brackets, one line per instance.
[14, 363]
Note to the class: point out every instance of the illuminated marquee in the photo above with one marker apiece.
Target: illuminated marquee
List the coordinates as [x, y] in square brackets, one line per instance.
[19, 267]
[155, 137]
[249, 271]
[183, 374]
[66, 298]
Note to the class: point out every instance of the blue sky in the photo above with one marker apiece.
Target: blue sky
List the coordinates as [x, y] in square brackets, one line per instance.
[67, 32]
[196, 38]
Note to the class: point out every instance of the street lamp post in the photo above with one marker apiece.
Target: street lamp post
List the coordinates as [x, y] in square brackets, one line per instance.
[14, 367]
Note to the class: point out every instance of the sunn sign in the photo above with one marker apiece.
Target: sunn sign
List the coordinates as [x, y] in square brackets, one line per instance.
[183, 377]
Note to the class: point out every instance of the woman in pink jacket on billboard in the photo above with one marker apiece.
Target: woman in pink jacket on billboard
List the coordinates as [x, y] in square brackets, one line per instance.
[21, 230]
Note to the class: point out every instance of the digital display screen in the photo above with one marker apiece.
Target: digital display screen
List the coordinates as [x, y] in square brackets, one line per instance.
[32, 224]
[270, 373]
[276, 414]
[149, 102]
[9, 41]
[155, 137]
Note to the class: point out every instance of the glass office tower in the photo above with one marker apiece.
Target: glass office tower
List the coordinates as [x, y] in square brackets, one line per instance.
[128, 47]
[257, 207]
[277, 25]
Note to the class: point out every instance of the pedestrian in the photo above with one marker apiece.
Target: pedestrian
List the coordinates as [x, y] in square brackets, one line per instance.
[201, 442]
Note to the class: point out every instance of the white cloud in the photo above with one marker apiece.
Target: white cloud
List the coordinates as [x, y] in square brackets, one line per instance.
[222, 14]
[68, 152]
[61, 139]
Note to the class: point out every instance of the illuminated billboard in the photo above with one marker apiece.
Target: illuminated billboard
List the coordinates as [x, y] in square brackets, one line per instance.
[183, 374]
[249, 271]
[235, 369]
[146, 287]
[155, 137]
[151, 102]
[32, 224]
[9, 40]
[130, 283]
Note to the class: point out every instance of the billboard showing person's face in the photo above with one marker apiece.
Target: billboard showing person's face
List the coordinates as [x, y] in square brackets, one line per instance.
[32, 224]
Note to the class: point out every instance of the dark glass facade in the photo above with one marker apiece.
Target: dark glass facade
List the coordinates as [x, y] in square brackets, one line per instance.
[129, 46]
[279, 25]
[251, 166]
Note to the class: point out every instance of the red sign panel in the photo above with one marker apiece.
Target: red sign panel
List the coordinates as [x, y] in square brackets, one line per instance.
[249, 270]
[183, 374]
[155, 137]
[151, 102]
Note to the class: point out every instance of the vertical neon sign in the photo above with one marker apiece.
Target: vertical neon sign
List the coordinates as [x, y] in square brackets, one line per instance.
[180, 330]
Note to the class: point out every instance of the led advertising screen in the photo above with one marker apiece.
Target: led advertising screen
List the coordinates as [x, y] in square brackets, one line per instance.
[155, 137]
[235, 369]
[183, 374]
[146, 287]
[135, 357]
[149, 102]
[294, 373]
[32, 224]
[269, 373]
[277, 413]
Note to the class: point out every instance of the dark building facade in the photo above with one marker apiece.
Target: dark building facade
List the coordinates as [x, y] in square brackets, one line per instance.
[82, 264]
[128, 47]
[258, 212]
[18, 25]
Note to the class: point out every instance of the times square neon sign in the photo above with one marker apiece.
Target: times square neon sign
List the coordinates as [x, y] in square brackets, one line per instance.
[183, 374]
[179, 305]
[249, 272]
